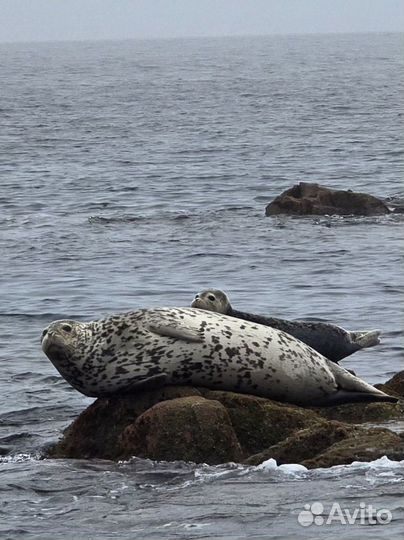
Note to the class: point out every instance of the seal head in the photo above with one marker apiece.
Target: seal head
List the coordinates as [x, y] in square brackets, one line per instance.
[63, 342]
[213, 300]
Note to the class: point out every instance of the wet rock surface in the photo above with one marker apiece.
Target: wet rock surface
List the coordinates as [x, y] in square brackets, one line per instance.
[313, 199]
[206, 426]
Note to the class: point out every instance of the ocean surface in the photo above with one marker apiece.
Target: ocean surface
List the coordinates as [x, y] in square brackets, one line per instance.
[135, 173]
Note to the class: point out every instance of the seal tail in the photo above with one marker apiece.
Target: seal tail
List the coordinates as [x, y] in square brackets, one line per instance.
[366, 339]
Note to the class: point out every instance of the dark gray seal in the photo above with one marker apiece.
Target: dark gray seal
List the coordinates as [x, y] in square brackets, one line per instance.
[330, 340]
[185, 346]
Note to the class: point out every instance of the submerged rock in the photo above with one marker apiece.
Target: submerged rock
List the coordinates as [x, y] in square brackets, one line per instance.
[312, 199]
[210, 426]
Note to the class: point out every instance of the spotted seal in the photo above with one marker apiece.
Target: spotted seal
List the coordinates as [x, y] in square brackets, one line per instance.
[186, 346]
[330, 340]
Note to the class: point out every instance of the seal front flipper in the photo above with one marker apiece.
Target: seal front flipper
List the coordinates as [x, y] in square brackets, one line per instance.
[184, 333]
[150, 383]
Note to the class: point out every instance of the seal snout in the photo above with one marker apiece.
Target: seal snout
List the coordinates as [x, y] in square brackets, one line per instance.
[203, 300]
[196, 301]
[56, 332]
[46, 335]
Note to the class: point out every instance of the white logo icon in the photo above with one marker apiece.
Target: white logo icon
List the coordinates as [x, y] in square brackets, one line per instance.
[313, 514]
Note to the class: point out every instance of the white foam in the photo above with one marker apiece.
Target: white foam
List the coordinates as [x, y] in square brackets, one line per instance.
[382, 464]
[19, 458]
[271, 465]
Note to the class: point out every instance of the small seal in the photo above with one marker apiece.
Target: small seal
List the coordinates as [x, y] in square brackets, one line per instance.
[330, 340]
[151, 348]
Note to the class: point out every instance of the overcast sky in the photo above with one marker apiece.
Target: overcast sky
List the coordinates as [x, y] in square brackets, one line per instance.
[42, 20]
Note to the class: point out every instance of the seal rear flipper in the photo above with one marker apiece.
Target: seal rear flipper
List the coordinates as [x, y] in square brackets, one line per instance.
[366, 339]
[352, 389]
[183, 333]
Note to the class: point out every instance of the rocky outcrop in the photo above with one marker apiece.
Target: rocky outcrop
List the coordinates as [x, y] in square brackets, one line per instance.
[313, 199]
[201, 425]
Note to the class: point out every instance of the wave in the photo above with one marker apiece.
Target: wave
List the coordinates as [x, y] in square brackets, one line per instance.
[197, 213]
[180, 475]
[42, 316]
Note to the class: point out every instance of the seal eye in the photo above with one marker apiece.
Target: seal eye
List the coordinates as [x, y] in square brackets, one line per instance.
[196, 296]
[44, 333]
[67, 327]
[211, 298]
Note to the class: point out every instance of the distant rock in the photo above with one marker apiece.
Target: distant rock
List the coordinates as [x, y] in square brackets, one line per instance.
[313, 199]
[210, 426]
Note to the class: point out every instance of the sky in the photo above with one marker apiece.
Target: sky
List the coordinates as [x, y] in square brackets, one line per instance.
[44, 20]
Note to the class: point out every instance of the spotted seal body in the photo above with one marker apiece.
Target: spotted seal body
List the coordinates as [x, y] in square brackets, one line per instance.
[330, 340]
[187, 346]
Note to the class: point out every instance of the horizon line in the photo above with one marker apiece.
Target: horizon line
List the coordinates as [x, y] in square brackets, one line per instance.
[205, 36]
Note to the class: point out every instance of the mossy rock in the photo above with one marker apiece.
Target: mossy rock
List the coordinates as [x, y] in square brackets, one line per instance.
[188, 429]
[302, 444]
[201, 425]
[358, 413]
[95, 432]
[361, 445]
[260, 422]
